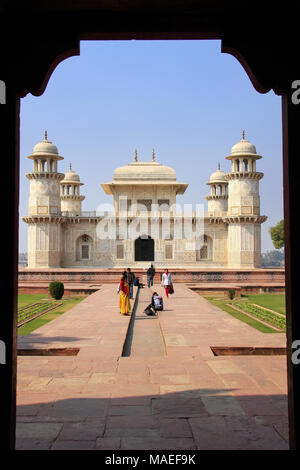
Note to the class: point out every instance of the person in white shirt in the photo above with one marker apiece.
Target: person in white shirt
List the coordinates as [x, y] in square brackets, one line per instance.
[166, 282]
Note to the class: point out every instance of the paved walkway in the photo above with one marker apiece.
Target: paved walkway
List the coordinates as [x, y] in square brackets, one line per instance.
[170, 393]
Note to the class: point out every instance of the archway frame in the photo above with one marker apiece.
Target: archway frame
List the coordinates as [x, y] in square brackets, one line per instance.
[268, 57]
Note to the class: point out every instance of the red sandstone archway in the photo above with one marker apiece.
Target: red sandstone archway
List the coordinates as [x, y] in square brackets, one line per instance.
[26, 66]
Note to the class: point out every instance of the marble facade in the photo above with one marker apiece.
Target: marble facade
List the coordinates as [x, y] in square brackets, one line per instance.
[144, 223]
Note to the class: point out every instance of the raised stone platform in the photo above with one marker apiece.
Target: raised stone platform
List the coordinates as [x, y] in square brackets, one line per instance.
[70, 289]
[89, 280]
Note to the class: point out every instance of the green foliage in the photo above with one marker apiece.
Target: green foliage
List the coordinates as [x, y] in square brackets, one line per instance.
[275, 302]
[262, 314]
[56, 289]
[27, 299]
[231, 293]
[49, 316]
[272, 258]
[277, 235]
[34, 309]
[240, 316]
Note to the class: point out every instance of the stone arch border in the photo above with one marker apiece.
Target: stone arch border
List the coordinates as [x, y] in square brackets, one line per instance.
[268, 57]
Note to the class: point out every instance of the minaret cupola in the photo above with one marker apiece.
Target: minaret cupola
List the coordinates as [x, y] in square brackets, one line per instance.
[44, 179]
[243, 216]
[70, 193]
[44, 219]
[45, 156]
[243, 156]
[217, 199]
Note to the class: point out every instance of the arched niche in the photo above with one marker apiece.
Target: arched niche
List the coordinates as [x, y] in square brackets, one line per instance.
[144, 249]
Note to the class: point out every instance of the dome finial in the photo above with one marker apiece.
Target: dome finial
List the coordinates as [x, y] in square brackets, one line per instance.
[46, 135]
[218, 165]
[70, 166]
[153, 155]
[243, 134]
[135, 155]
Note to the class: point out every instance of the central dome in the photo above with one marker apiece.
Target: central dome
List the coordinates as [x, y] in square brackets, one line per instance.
[144, 171]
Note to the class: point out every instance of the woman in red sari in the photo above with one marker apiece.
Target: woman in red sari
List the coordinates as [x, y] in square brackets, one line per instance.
[124, 296]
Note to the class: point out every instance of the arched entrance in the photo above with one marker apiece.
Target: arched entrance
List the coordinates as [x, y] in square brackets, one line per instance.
[144, 249]
[210, 21]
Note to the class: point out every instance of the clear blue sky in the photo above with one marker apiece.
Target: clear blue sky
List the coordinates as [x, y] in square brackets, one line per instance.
[183, 98]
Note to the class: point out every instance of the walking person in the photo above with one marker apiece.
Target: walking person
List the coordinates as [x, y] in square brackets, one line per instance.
[130, 280]
[150, 275]
[124, 296]
[166, 282]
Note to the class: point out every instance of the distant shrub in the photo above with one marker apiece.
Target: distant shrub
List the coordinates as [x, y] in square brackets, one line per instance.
[231, 293]
[56, 289]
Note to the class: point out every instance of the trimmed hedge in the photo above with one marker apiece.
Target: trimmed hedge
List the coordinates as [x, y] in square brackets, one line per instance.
[56, 289]
[231, 293]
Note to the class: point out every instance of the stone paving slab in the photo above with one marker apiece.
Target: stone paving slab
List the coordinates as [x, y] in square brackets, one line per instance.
[170, 393]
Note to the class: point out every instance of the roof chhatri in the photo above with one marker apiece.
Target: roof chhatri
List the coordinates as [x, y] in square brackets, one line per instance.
[243, 148]
[45, 148]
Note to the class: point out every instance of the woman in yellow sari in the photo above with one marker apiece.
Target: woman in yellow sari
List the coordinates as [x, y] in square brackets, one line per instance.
[124, 296]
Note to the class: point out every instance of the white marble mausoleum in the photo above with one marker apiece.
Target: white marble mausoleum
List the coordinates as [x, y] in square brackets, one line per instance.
[146, 222]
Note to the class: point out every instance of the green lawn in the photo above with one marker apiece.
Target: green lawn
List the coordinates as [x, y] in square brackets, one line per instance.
[26, 299]
[275, 302]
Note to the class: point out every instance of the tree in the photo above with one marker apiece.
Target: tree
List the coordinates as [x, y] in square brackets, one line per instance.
[56, 289]
[272, 258]
[277, 235]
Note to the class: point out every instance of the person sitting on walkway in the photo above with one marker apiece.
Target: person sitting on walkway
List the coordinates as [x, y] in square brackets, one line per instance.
[156, 304]
[166, 282]
[137, 283]
[124, 296]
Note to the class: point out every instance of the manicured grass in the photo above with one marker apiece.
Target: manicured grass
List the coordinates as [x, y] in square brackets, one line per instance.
[26, 299]
[261, 313]
[275, 302]
[31, 310]
[222, 303]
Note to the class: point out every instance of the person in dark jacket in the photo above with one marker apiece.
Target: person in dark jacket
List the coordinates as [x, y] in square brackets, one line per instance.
[130, 280]
[150, 275]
